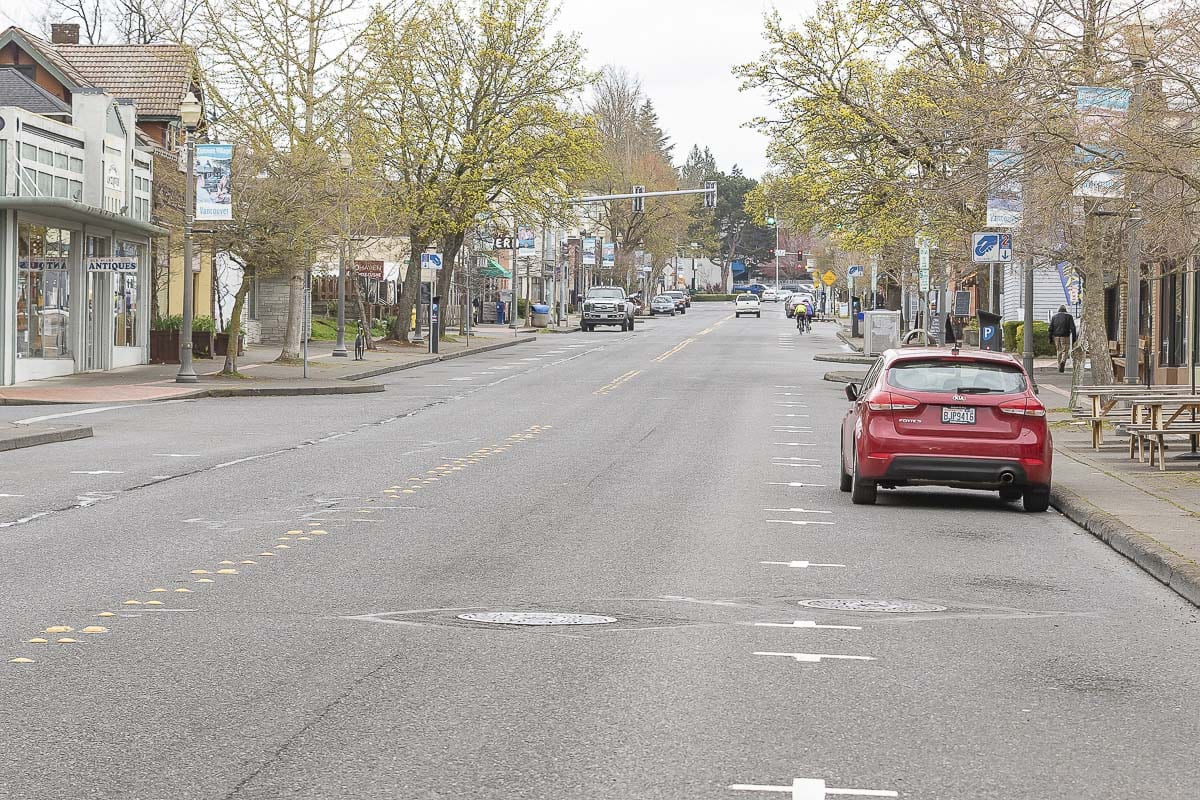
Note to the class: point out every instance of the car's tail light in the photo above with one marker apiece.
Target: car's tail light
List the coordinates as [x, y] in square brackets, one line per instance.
[891, 401]
[1023, 407]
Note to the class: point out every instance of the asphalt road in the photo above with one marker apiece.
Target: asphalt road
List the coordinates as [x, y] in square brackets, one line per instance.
[680, 480]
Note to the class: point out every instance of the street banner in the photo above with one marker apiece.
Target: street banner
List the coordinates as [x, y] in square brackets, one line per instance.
[214, 176]
[1005, 203]
[1102, 112]
[589, 251]
[609, 256]
[1071, 282]
[526, 241]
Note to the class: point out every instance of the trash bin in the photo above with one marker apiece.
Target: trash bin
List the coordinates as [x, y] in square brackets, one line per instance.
[499, 312]
[541, 315]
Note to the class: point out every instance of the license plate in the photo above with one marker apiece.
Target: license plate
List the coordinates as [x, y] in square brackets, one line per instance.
[958, 416]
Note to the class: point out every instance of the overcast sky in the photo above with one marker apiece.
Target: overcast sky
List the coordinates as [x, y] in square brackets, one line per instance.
[682, 50]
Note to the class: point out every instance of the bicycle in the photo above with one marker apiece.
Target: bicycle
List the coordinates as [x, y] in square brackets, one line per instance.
[360, 343]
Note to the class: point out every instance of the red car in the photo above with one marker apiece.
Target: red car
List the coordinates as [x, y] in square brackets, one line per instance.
[965, 419]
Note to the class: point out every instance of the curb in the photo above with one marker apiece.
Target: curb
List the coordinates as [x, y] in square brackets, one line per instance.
[842, 377]
[424, 362]
[843, 358]
[66, 434]
[285, 391]
[1179, 574]
[849, 343]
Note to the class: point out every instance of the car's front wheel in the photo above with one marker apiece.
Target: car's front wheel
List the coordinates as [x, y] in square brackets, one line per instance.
[862, 491]
[844, 478]
[1036, 499]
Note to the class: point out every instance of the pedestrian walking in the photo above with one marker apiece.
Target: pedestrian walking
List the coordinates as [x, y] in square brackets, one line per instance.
[1062, 334]
[951, 335]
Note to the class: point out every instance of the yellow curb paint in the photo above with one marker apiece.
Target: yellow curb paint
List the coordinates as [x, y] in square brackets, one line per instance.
[66, 640]
[106, 614]
[132, 603]
[59, 629]
[95, 629]
[38, 641]
[20, 661]
[227, 572]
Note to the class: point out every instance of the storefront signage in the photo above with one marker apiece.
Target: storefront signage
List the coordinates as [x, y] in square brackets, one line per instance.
[42, 263]
[369, 269]
[112, 264]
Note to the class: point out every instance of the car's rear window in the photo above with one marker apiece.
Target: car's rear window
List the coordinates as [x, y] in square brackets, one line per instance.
[747, 297]
[960, 376]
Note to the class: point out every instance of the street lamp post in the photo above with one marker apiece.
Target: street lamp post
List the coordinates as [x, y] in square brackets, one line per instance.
[695, 246]
[339, 349]
[189, 114]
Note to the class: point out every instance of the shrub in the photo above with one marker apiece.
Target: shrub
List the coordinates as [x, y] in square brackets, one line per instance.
[172, 322]
[1042, 346]
[203, 324]
[1010, 335]
[712, 298]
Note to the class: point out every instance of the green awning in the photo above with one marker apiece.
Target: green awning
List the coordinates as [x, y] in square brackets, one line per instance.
[494, 270]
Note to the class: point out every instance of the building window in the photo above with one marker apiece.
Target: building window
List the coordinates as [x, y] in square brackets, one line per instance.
[126, 305]
[1172, 319]
[43, 292]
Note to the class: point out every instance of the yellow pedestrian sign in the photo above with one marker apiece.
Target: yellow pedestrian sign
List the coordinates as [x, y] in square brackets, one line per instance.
[829, 277]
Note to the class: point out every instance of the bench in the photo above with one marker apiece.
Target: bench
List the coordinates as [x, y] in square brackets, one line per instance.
[1156, 438]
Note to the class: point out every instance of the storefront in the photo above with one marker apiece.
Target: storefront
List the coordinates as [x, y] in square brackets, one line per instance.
[72, 280]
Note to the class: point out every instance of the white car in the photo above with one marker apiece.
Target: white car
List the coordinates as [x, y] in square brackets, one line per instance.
[747, 304]
[770, 295]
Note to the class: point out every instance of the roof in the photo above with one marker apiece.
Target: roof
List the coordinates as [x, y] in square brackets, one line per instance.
[494, 270]
[18, 90]
[154, 76]
[944, 352]
[43, 50]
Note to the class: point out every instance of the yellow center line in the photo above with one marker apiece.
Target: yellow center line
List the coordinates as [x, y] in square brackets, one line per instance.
[608, 387]
[675, 349]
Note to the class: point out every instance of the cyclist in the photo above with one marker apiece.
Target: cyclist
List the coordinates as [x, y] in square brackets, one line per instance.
[801, 313]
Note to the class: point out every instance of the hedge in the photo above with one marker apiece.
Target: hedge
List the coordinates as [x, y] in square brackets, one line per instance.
[713, 298]
[1042, 346]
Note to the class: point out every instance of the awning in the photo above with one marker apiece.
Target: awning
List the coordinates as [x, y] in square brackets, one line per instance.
[78, 212]
[494, 270]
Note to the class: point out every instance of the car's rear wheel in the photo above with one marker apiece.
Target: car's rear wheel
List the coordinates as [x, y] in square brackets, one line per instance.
[1009, 493]
[1037, 499]
[862, 491]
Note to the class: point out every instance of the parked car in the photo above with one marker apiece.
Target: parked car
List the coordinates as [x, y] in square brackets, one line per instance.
[964, 419]
[747, 303]
[795, 299]
[606, 305]
[770, 295]
[681, 300]
[662, 305]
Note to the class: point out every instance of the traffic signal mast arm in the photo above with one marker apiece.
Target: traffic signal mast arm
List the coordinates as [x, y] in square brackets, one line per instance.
[600, 198]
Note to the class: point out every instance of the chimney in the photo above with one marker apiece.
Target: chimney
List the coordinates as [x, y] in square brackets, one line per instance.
[64, 33]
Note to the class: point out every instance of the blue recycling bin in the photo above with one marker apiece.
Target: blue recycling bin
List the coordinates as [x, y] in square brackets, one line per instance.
[541, 315]
[499, 312]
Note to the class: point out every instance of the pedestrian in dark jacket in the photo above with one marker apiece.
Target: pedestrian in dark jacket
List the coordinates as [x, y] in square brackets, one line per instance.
[951, 337]
[1062, 334]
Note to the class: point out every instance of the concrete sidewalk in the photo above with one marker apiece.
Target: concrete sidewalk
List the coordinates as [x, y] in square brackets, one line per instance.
[263, 376]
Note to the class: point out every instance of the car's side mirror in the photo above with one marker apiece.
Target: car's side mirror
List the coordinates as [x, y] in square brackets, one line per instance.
[851, 391]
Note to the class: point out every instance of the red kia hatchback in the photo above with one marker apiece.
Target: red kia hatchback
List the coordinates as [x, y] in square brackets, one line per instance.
[965, 419]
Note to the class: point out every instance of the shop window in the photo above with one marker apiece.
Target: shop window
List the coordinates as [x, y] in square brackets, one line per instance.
[1171, 321]
[126, 303]
[43, 292]
[76, 191]
[45, 157]
[76, 164]
[45, 184]
[60, 160]
[60, 187]
[28, 152]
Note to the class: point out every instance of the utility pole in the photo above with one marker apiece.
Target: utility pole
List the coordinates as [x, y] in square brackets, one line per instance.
[1133, 275]
[1027, 354]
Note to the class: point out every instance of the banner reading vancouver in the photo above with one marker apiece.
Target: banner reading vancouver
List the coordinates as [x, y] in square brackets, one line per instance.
[214, 176]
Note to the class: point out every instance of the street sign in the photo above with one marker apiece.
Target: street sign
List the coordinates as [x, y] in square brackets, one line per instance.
[988, 247]
[431, 260]
[962, 304]
[857, 271]
[710, 194]
[780, 252]
[639, 203]
[829, 278]
[924, 269]
[504, 242]
[369, 269]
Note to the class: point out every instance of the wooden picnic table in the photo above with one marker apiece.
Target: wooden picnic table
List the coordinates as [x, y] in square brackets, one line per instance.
[1103, 399]
[1159, 424]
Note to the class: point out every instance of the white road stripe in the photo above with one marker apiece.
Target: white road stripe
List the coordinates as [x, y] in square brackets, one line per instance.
[798, 511]
[813, 658]
[32, 420]
[799, 522]
[800, 564]
[796, 484]
[806, 623]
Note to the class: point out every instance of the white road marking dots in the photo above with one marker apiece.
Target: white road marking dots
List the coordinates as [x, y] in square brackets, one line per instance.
[806, 623]
[12, 495]
[462, 379]
[798, 510]
[813, 789]
[177, 455]
[799, 522]
[96, 472]
[800, 564]
[793, 405]
[801, 416]
[794, 444]
[797, 484]
[783, 464]
[813, 658]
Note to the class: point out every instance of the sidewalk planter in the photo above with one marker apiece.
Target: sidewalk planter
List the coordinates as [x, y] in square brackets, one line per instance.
[202, 344]
[164, 347]
[221, 344]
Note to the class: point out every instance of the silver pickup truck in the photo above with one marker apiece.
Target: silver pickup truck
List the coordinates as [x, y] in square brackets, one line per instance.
[606, 305]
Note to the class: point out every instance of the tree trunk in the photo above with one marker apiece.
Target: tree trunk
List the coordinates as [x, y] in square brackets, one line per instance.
[451, 247]
[1094, 327]
[410, 291]
[363, 317]
[235, 324]
[295, 316]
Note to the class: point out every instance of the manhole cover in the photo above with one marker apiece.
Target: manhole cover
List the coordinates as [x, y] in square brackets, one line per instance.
[886, 606]
[535, 618]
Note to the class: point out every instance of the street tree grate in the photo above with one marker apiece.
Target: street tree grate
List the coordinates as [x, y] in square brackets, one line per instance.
[884, 606]
[535, 618]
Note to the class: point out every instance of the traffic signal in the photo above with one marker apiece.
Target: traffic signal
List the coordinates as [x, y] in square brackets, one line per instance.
[639, 203]
[770, 222]
[710, 194]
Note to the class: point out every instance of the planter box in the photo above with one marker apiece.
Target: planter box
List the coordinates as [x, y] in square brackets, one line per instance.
[202, 344]
[164, 347]
[221, 344]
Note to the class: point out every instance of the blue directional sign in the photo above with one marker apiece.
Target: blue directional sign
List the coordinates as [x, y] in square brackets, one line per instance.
[856, 271]
[989, 247]
[431, 260]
